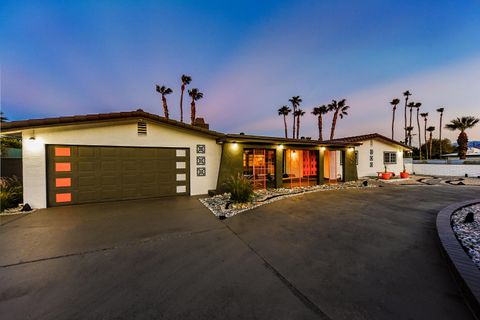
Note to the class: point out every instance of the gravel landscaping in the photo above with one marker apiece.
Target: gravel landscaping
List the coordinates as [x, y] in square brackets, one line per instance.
[222, 206]
[468, 233]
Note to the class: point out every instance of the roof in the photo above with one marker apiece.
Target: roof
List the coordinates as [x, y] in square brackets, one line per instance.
[266, 139]
[100, 117]
[369, 137]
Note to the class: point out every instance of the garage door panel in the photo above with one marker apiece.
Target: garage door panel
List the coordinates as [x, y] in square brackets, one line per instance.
[115, 173]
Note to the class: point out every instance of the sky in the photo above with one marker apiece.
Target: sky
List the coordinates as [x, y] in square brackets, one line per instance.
[61, 58]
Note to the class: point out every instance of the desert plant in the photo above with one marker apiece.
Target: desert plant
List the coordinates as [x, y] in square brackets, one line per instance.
[406, 94]
[394, 104]
[164, 91]
[295, 101]
[196, 95]
[185, 81]
[320, 111]
[10, 193]
[339, 109]
[240, 188]
[284, 111]
[462, 124]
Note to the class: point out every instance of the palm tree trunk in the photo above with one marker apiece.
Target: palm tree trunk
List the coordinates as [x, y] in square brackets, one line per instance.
[181, 103]
[410, 133]
[334, 124]
[425, 136]
[419, 135]
[405, 116]
[298, 126]
[285, 124]
[293, 135]
[393, 123]
[440, 135]
[320, 125]
[192, 110]
[165, 107]
[431, 141]
[462, 145]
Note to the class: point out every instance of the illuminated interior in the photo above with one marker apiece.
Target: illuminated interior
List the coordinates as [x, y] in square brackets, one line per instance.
[62, 152]
[259, 166]
[62, 167]
[63, 197]
[300, 168]
[63, 182]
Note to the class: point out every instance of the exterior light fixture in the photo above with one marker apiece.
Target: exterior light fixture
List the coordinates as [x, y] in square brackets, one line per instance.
[280, 146]
[322, 148]
[32, 138]
[351, 149]
[235, 145]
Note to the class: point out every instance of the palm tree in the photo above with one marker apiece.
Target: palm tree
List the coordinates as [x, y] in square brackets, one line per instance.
[424, 116]
[185, 81]
[409, 133]
[340, 109]
[462, 124]
[320, 111]
[284, 111]
[419, 131]
[295, 101]
[196, 95]
[406, 95]
[394, 103]
[2, 117]
[440, 129]
[164, 91]
[430, 129]
[299, 113]
[416, 105]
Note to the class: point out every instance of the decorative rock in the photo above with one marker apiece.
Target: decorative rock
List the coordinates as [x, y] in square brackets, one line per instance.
[469, 218]
[26, 207]
[365, 183]
[466, 226]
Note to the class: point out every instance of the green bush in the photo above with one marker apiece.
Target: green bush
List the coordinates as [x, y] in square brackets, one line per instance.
[10, 193]
[240, 188]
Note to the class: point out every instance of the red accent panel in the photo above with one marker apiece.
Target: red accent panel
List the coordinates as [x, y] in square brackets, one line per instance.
[63, 182]
[63, 197]
[62, 152]
[62, 166]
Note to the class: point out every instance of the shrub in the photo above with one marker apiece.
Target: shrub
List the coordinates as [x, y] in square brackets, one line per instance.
[10, 193]
[240, 188]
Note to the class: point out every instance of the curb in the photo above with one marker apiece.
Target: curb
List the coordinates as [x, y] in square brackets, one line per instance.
[465, 271]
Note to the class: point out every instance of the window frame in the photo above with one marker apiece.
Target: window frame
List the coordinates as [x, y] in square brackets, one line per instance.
[390, 154]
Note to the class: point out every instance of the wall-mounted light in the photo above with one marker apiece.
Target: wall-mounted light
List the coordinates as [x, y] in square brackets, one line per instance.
[31, 138]
[322, 148]
[235, 145]
[351, 149]
[280, 146]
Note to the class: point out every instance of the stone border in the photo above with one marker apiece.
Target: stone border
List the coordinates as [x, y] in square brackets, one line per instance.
[466, 272]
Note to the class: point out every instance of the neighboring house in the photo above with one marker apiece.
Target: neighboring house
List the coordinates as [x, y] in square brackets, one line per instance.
[136, 155]
[376, 152]
[472, 154]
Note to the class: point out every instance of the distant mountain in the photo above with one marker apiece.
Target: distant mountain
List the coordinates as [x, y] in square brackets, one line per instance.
[471, 144]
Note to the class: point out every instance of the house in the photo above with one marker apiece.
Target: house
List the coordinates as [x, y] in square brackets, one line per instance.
[377, 152]
[136, 155]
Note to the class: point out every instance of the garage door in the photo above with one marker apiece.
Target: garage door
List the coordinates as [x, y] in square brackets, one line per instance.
[83, 174]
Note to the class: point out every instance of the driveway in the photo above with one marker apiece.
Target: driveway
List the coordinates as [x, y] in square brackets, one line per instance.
[349, 254]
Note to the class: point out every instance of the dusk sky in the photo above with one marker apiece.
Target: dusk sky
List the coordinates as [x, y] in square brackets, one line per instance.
[248, 58]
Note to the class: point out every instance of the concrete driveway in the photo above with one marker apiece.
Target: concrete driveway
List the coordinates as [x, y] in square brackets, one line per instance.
[350, 254]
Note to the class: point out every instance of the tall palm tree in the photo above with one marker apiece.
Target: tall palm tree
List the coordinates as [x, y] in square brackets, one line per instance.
[462, 124]
[406, 94]
[394, 103]
[419, 131]
[196, 95]
[164, 91]
[320, 111]
[295, 101]
[416, 105]
[284, 111]
[409, 133]
[430, 129]
[185, 81]
[299, 113]
[425, 117]
[440, 130]
[339, 109]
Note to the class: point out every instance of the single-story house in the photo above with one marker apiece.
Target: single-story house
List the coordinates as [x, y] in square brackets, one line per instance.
[472, 154]
[377, 152]
[135, 155]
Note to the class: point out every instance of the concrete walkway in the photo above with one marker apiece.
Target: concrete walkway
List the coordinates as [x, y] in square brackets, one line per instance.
[350, 254]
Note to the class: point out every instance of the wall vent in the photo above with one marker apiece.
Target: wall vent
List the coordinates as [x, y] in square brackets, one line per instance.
[142, 128]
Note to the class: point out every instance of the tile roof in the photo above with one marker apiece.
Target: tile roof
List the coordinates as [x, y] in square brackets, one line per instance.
[368, 137]
[100, 117]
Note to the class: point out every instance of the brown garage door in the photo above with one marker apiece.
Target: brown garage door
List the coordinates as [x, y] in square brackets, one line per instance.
[83, 174]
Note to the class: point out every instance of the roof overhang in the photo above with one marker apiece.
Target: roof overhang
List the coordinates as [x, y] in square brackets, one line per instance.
[240, 138]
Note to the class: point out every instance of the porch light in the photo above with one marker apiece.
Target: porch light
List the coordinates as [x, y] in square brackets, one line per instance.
[322, 148]
[235, 145]
[280, 146]
[351, 149]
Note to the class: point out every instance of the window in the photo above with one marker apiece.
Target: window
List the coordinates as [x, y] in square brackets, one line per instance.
[389, 157]
[259, 166]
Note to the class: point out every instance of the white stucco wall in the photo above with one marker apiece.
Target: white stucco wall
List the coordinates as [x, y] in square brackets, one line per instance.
[449, 170]
[379, 147]
[109, 134]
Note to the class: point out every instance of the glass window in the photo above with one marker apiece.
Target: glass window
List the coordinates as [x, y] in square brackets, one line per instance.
[389, 157]
[62, 152]
[62, 166]
[259, 166]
